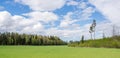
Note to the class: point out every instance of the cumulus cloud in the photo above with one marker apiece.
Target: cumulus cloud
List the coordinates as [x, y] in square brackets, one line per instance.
[86, 13]
[5, 20]
[71, 17]
[83, 11]
[109, 8]
[82, 5]
[33, 23]
[72, 2]
[45, 17]
[64, 34]
[40, 5]
[67, 21]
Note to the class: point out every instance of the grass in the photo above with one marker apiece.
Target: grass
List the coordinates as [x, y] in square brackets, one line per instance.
[108, 42]
[57, 52]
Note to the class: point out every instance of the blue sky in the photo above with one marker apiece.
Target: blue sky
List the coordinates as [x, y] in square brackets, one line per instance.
[14, 8]
[68, 19]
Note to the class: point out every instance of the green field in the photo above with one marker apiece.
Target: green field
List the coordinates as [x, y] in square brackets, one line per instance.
[57, 52]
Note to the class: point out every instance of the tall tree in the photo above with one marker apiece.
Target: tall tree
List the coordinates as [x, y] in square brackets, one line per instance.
[92, 28]
[82, 39]
[94, 25]
[90, 31]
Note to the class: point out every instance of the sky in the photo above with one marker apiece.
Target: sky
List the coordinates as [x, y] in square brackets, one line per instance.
[67, 19]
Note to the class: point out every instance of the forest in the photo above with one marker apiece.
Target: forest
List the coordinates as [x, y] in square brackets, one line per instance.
[12, 38]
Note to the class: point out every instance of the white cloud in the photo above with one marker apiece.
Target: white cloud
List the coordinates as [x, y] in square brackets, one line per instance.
[5, 20]
[82, 15]
[33, 22]
[105, 27]
[86, 13]
[40, 5]
[67, 21]
[82, 10]
[109, 8]
[82, 5]
[18, 23]
[45, 17]
[25, 25]
[4, 16]
[33, 29]
[65, 34]
[71, 17]
[72, 2]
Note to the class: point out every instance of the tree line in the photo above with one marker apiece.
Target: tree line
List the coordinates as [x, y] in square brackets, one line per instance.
[11, 38]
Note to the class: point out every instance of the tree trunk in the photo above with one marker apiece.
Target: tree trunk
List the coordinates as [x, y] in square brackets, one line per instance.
[91, 35]
[94, 34]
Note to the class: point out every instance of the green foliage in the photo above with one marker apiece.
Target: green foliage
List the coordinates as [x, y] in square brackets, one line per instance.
[112, 42]
[73, 43]
[28, 39]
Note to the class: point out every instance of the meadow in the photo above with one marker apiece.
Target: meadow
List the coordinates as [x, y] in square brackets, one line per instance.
[57, 52]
